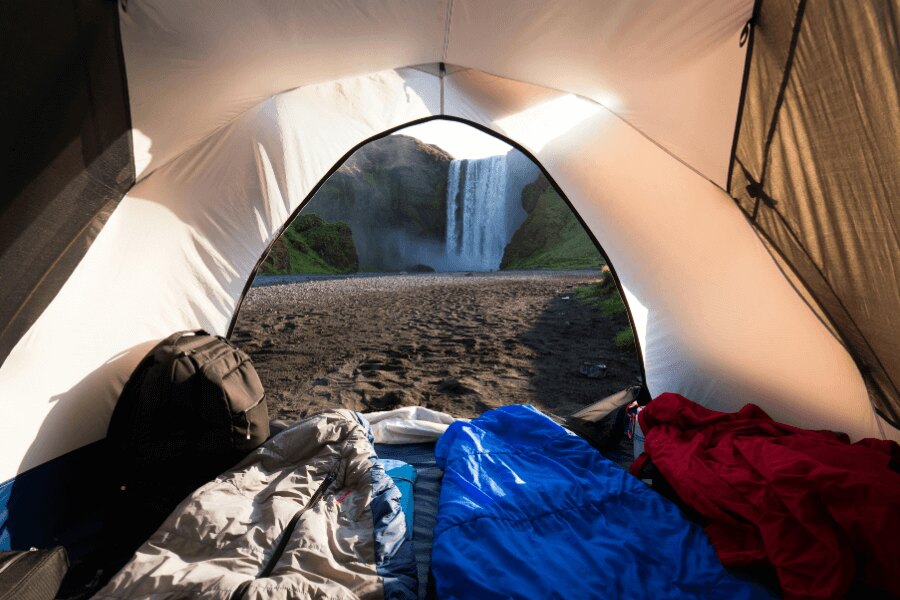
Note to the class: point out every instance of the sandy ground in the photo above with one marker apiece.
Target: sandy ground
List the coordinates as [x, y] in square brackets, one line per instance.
[457, 343]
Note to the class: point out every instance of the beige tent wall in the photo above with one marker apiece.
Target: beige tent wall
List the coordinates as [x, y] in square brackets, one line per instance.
[195, 66]
[671, 69]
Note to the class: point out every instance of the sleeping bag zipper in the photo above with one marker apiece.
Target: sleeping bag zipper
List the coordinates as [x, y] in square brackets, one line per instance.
[317, 496]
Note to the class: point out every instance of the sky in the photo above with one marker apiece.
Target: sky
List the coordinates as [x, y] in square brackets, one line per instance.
[457, 139]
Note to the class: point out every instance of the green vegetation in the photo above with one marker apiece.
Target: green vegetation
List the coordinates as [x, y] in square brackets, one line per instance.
[625, 339]
[312, 246]
[551, 236]
[604, 296]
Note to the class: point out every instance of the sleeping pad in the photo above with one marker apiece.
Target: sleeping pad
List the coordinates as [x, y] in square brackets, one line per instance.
[809, 503]
[309, 514]
[530, 510]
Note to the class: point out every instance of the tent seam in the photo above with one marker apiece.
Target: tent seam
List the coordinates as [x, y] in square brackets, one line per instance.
[742, 99]
[782, 90]
[448, 24]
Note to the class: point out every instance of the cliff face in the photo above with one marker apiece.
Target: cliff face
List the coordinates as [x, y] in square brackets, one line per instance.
[392, 194]
[551, 236]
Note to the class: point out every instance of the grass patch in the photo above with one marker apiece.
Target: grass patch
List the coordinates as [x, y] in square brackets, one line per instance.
[312, 246]
[604, 296]
[591, 294]
[624, 340]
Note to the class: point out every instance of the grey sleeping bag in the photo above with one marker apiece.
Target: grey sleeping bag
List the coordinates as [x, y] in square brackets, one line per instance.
[309, 514]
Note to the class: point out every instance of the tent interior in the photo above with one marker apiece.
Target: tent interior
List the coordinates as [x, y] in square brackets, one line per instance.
[737, 159]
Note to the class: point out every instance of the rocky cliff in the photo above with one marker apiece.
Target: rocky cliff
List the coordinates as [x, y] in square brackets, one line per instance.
[389, 205]
[392, 193]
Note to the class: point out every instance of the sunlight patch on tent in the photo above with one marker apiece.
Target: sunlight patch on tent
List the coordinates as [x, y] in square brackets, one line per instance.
[538, 125]
[142, 155]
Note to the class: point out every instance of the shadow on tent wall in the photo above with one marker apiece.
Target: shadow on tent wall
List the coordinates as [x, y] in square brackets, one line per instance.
[61, 501]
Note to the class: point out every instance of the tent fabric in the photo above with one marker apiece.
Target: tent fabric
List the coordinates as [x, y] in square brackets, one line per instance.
[816, 168]
[193, 67]
[179, 249]
[527, 507]
[237, 114]
[671, 69]
[198, 225]
[721, 325]
[67, 154]
[818, 509]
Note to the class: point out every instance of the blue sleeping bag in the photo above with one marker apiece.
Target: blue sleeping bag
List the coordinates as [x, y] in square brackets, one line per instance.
[530, 510]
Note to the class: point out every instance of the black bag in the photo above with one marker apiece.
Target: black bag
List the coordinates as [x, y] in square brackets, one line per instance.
[192, 408]
[32, 574]
[602, 424]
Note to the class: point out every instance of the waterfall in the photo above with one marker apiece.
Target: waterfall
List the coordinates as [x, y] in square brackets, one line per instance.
[478, 214]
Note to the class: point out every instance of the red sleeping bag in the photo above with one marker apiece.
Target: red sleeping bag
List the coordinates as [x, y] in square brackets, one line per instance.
[817, 508]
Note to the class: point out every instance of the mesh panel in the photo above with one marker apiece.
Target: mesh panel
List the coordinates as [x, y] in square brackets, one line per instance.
[817, 168]
[67, 158]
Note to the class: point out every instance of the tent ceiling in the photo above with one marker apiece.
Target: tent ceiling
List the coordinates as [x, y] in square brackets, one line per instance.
[671, 68]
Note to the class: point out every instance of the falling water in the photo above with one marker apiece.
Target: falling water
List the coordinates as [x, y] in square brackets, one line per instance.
[478, 214]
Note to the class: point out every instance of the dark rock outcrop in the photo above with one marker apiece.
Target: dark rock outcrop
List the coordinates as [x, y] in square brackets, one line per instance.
[392, 193]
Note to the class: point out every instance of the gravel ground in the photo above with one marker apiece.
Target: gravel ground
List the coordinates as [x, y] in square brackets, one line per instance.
[462, 343]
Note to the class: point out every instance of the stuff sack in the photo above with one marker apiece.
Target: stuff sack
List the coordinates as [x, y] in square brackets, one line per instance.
[192, 408]
[603, 423]
[32, 574]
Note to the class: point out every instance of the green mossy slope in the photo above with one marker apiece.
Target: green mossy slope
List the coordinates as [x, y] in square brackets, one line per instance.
[604, 296]
[551, 236]
[312, 246]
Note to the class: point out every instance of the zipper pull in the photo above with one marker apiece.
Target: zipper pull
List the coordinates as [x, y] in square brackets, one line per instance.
[247, 418]
[326, 483]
